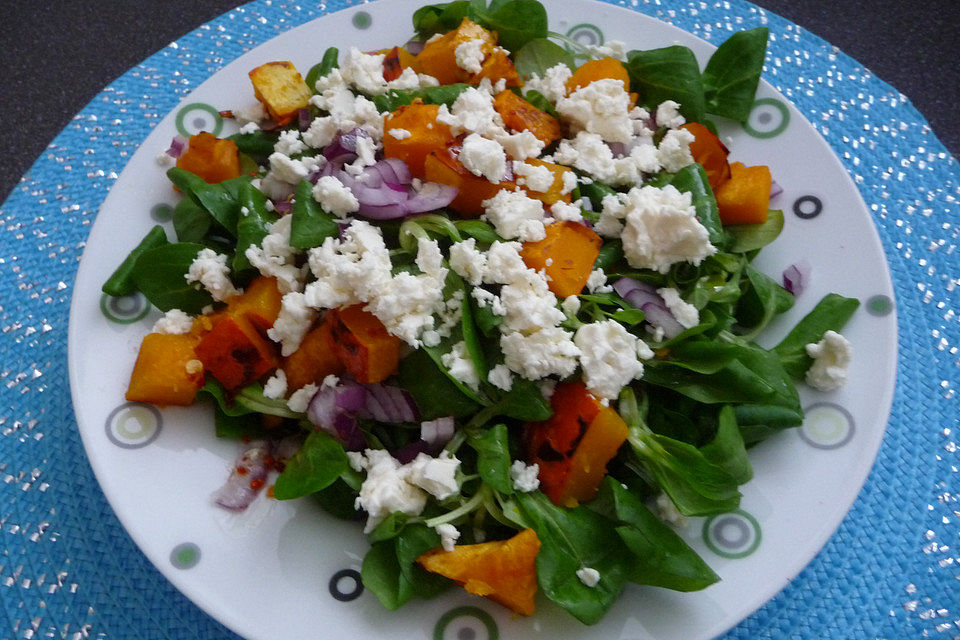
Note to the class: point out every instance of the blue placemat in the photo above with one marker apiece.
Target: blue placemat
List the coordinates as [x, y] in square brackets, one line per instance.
[67, 568]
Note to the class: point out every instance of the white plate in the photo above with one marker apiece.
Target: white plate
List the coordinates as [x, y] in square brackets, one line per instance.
[288, 570]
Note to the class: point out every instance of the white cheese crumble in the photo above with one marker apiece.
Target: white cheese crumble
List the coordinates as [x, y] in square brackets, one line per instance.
[588, 152]
[449, 535]
[547, 352]
[460, 365]
[469, 55]
[437, 476]
[602, 107]
[831, 358]
[566, 212]
[553, 84]
[537, 178]
[597, 282]
[684, 312]
[467, 261]
[173, 322]
[525, 476]
[529, 304]
[486, 299]
[484, 157]
[210, 269]
[285, 169]
[276, 258]
[289, 143]
[276, 386]
[321, 132]
[608, 356]
[661, 227]
[609, 49]
[400, 134]
[668, 115]
[501, 377]
[335, 197]
[588, 576]
[292, 323]
[668, 512]
[386, 489]
[571, 305]
[473, 112]
[250, 127]
[300, 399]
[515, 215]
[351, 270]
[520, 145]
[673, 153]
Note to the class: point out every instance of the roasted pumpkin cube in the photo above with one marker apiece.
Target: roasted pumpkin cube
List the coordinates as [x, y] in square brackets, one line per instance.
[315, 359]
[281, 89]
[439, 58]
[503, 570]
[211, 158]
[395, 61]
[444, 167]
[573, 447]
[593, 70]
[259, 303]
[745, 197]
[235, 353]
[495, 67]
[709, 152]
[362, 344]
[566, 254]
[167, 371]
[426, 135]
[520, 115]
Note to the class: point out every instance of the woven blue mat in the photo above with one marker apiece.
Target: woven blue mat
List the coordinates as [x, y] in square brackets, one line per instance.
[68, 569]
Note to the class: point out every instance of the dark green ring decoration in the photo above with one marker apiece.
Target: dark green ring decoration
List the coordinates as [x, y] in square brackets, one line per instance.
[784, 119]
[198, 106]
[723, 553]
[362, 20]
[473, 612]
[111, 315]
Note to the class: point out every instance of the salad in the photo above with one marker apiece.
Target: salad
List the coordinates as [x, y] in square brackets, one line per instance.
[491, 293]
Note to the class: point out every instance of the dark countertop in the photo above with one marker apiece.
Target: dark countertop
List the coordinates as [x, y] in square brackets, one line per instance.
[59, 58]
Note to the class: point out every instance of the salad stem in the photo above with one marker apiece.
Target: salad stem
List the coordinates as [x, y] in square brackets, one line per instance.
[478, 499]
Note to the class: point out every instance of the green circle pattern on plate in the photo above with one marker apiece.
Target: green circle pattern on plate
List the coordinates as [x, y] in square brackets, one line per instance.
[588, 35]
[185, 555]
[196, 117]
[124, 309]
[465, 623]
[161, 212]
[732, 535]
[827, 426]
[879, 306]
[362, 20]
[768, 118]
[133, 425]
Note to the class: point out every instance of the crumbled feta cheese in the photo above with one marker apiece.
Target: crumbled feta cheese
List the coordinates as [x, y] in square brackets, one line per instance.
[588, 576]
[529, 304]
[609, 49]
[831, 358]
[321, 132]
[254, 113]
[473, 112]
[685, 313]
[486, 298]
[504, 263]
[571, 305]
[588, 152]
[174, 322]
[276, 258]
[569, 182]
[289, 143]
[673, 152]
[330, 381]
[467, 261]
[276, 385]
[470, 55]
[525, 476]
[667, 511]
[347, 110]
[460, 366]
[449, 535]
[164, 159]
[597, 282]
[292, 323]
[284, 169]
[602, 107]
[250, 127]
[351, 270]
[520, 146]
[483, 157]
[547, 387]
[210, 269]
[363, 70]
[300, 399]
[608, 355]
[537, 178]
[547, 352]
[668, 115]
[436, 476]
[386, 489]
[661, 229]
[400, 134]
[335, 197]
[515, 215]
[553, 84]
[501, 377]
[566, 212]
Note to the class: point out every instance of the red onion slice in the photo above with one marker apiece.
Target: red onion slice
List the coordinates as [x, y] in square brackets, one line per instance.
[415, 46]
[394, 170]
[430, 197]
[303, 119]
[282, 206]
[177, 146]
[775, 189]
[644, 296]
[249, 475]
[796, 276]
[437, 432]
[660, 317]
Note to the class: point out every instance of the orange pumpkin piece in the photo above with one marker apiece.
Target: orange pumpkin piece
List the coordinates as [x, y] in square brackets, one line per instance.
[555, 193]
[503, 570]
[362, 344]
[314, 360]
[259, 303]
[573, 447]
[211, 158]
[497, 66]
[567, 255]
[439, 58]
[593, 70]
[520, 115]
[444, 167]
[395, 61]
[281, 89]
[167, 371]
[235, 353]
[426, 135]
[745, 197]
[708, 151]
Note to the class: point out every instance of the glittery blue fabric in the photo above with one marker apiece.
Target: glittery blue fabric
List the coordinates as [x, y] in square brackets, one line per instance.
[68, 569]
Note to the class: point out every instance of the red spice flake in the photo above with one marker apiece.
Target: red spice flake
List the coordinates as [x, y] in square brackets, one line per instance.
[242, 471]
[256, 484]
[226, 114]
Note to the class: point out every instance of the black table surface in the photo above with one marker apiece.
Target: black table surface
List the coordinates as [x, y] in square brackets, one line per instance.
[58, 55]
